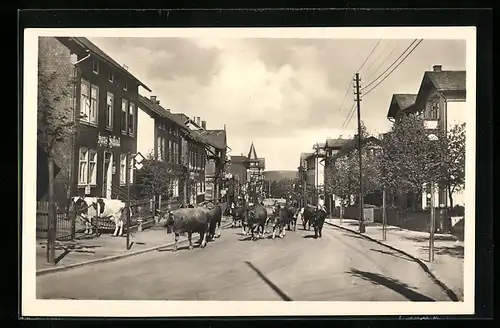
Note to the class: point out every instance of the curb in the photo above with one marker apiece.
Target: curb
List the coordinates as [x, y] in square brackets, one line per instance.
[451, 294]
[110, 258]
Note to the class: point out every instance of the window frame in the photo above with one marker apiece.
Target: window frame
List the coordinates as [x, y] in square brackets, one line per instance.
[110, 115]
[124, 109]
[94, 102]
[111, 76]
[131, 118]
[90, 157]
[123, 172]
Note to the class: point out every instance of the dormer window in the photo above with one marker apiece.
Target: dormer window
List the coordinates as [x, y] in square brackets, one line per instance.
[95, 65]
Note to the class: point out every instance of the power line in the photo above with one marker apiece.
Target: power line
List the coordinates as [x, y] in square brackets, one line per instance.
[409, 53]
[375, 47]
[378, 77]
[349, 116]
[383, 62]
[345, 96]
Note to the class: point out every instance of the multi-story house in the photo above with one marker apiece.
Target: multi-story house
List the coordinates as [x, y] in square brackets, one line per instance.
[161, 136]
[105, 99]
[194, 155]
[441, 100]
[255, 173]
[332, 147]
[315, 173]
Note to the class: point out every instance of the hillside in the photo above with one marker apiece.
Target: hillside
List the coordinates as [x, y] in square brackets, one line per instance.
[279, 175]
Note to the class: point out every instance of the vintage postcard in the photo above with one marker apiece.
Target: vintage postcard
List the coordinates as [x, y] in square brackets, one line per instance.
[230, 172]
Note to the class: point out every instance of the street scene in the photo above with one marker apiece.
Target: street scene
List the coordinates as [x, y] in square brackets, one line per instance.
[254, 169]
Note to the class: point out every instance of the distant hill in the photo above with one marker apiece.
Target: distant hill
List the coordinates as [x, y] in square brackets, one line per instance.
[279, 175]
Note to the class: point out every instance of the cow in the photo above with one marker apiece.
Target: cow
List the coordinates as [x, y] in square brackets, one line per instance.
[91, 207]
[318, 221]
[238, 214]
[292, 218]
[215, 221]
[308, 216]
[280, 219]
[255, 217]
[188, 220]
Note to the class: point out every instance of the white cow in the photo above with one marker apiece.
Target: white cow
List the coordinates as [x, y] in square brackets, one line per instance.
[90, 207]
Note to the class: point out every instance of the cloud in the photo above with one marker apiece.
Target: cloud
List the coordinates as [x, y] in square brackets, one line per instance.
[283, 94]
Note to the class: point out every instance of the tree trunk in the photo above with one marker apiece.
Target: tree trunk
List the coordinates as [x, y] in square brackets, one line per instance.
[450, 196]
[51, 235]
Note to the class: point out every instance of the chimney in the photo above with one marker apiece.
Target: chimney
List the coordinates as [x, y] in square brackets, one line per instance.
[153, 98]
[198, 120]
[204, 125]
[437, 68]
[158, 102]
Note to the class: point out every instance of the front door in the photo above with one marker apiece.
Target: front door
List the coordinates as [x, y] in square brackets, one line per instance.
[107, 174]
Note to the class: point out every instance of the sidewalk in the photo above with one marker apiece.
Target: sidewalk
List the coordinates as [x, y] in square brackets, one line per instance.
[448, 265]
[92, 248]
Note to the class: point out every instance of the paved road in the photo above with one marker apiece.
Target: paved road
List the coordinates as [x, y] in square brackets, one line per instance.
[339, 267]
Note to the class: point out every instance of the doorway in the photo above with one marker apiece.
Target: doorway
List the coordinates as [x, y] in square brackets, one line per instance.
[107, 175]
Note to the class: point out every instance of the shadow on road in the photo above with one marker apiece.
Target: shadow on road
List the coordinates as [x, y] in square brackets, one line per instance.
[396, 285]
[275, 288]
[352, 235]
[390, 253]
[425, 239]
[73, 247]
[180, 248]
[310, 236]
[454, 251]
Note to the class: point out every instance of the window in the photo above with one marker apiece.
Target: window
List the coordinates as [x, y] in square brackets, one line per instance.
[95, 65]
[131, 120]
[85, 104]
[125, 87]
[432, 111]
[111, 76]
[87, 168]
[83, 166]
[123, 169]
[110, 100]
[124, 116]
[94, 103]
[161, 142]
[164, 149]
[131, 170]
[175, 188]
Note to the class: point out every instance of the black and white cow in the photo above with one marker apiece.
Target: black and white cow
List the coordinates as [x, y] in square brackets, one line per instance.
[94, 207]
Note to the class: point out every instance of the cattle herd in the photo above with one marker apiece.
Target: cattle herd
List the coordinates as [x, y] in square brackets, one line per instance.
[205, 219]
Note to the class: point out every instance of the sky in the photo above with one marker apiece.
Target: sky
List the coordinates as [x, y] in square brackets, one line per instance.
[284, 95]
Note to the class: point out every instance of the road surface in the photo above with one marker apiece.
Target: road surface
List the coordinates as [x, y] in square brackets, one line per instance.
[341, 266]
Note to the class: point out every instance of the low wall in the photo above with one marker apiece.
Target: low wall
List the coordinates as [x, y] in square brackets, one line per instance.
[416, 220]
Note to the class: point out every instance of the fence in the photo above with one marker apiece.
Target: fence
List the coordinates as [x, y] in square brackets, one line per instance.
[68, 225]
[65, 227]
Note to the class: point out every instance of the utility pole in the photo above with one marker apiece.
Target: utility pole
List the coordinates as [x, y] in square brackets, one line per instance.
[357, 93]
[127, 176]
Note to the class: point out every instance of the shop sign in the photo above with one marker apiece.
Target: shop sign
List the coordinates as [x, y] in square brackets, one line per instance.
[108, 141]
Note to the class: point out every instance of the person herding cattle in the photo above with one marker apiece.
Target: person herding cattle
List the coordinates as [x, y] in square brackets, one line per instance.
[188, 220]
[89, 208]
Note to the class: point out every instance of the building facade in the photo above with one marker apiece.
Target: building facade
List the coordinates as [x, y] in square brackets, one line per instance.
[441, 100]
[315, 173]
[332, 147]
[105, 102]
[161, 138]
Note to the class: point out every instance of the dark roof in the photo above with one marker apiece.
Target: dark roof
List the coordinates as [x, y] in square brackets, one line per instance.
[335, 143]
[353, 143]
[252, 154]
[400, 102]
[162, 112]
[97, 51]
[447, 80]
[238, 159]
[217, 138]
